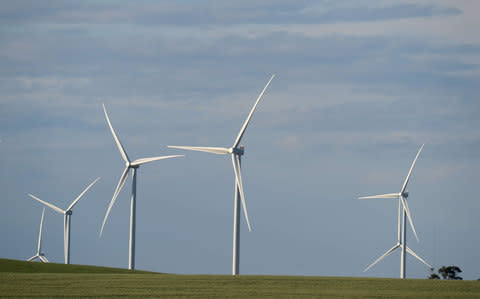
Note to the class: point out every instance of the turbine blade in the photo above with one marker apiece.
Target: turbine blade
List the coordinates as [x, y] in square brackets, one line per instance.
[388, 195]
[245, 124]
[43, 259]
[32, 258]
[383, 256]
[54, 207]
[213, 150]
[117, 141]
[141, 161]
[81, 194]
[238, 179]
[39, 247]
[411, 169]
[121, 182]
[418, 258]
[407, 210]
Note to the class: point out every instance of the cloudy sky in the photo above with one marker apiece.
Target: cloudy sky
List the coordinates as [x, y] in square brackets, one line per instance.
[358, 88]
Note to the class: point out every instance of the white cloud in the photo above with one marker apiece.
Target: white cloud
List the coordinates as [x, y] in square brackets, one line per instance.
[456, 28]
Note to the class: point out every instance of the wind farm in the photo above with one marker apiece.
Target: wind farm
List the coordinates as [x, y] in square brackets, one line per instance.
[236, 151]
[302, 107]
[215, 283]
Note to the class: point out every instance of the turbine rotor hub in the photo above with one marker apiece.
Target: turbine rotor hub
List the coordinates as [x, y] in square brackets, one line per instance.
[129, 165]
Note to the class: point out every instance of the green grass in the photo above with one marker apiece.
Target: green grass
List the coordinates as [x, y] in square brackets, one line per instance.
[35, 280]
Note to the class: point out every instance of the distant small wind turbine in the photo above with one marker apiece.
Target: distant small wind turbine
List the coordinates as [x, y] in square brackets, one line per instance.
[40, 255]
[133, 167]
[403, 213]
[67, 219]
[236, 152]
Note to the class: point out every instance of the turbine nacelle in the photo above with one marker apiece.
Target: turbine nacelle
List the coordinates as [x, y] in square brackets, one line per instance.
[69, 212]
[405, 194]
[238, 150]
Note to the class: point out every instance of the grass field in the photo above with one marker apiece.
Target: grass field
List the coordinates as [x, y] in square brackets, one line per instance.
[34, 280]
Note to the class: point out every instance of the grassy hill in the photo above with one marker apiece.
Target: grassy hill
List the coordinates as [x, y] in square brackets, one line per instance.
[15, 266]
[23, 279]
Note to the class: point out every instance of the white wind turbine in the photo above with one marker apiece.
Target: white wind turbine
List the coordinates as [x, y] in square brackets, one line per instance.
[236, 152]
[133, 167]
[39, 255]
[403, 213]
[67, 219]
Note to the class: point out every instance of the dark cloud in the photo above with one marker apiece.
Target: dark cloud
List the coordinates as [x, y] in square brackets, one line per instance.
[214, 12]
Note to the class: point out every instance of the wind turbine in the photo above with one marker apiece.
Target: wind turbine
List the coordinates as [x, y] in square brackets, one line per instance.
[40, 255]
[403, 213]
[67, 219]
[129, 165]
[236, 152]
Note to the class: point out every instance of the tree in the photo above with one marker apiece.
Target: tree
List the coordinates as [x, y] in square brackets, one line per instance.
[450, 273]
[433, 275]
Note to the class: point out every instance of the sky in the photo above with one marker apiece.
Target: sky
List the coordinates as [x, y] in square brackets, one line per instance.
[359, 87]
